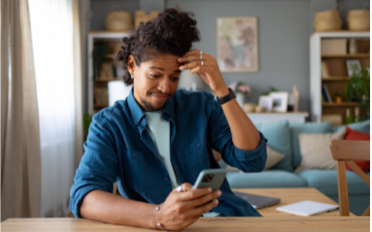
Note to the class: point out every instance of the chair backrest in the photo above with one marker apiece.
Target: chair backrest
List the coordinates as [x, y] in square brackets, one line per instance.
[348, 151]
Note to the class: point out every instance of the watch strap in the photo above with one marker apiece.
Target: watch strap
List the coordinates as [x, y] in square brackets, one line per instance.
[226, 98]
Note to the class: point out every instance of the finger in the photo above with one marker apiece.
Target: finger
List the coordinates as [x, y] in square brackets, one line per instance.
[192, 52]
[199, 69]
[204, 199]
[202, 209]
[192, 65]
[189, 58]
[193, 194]
[193, 57]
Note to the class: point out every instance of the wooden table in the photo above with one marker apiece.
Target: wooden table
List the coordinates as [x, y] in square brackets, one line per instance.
[235, 224]
[289, 196]
[273, 220]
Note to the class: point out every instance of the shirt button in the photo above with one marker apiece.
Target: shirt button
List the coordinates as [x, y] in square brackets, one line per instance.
[165, 178]
[198, 144]
[134, 154]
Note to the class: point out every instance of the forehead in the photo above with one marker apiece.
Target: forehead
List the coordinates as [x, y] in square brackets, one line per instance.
[167, 62]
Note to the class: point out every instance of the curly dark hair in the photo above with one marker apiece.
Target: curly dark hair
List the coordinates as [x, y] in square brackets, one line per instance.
[171, 32]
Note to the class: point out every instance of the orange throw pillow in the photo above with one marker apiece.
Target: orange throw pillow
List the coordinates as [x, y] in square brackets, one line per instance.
[356, 135]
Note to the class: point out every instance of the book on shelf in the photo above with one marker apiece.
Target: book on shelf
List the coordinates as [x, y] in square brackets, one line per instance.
[101, 96]
[325, 70]
[108, 70]
[327, 94]
[324, 95]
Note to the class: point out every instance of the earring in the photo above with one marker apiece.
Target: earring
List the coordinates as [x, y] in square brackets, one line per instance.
[131, 76]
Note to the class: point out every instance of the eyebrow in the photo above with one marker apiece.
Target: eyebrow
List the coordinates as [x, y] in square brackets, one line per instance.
[161, 69]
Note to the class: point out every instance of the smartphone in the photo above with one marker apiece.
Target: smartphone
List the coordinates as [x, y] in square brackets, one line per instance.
[210, 178]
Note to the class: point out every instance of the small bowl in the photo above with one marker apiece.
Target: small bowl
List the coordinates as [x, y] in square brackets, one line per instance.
[249, 107]
[259, 109]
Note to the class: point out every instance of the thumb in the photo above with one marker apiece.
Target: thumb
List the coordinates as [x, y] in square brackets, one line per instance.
[187, 187]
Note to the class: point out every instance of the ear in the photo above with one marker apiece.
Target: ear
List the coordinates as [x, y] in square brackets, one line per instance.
[131, 64]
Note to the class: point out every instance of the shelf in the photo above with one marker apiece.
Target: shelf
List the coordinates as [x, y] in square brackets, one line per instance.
[360, 55]
[111, 56]
[100, 105]
[336, 78]
[109, 79]
[343, 104]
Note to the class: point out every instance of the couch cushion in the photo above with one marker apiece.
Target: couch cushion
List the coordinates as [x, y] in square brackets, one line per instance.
[279, 139]
[358, 126]
[315, 150]
[305, 128]
[265, 179]
[326, 181]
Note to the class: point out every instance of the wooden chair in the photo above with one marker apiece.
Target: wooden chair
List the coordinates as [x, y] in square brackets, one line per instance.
[348, 151]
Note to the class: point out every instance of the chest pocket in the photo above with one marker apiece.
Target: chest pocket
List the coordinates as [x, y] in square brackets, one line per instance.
[195, 159]
[138, 170]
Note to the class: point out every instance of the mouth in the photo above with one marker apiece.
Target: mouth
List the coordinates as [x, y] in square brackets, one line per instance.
[160, 97]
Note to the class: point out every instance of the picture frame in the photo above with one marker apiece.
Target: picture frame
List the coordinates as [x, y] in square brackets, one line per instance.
[237, 44]
[266, 102]
[353, 65]
[280, 101]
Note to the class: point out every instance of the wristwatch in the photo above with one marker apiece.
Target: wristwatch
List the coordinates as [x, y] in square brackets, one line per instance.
[226, 98]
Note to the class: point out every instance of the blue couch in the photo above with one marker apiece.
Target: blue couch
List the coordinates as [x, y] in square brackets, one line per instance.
[282, 137]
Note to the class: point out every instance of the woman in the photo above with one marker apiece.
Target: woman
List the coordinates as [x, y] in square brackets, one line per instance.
[160, 138]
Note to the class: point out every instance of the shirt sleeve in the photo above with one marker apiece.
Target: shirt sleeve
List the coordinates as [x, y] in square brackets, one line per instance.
[221, 140]
[99, 164]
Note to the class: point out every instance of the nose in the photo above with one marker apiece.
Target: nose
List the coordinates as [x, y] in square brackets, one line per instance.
[164, 85]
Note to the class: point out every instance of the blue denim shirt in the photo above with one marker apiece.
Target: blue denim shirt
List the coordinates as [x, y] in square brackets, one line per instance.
[119, 149]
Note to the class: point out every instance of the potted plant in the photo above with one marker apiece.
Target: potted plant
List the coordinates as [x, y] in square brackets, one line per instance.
[339, 97]
[99, 54]
[241, 90]
[358, 90]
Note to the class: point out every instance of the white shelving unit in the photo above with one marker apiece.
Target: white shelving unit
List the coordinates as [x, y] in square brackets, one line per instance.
[315, 68]
[93, 37]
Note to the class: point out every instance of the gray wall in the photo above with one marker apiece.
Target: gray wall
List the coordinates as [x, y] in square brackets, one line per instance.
[284, 27]
[283, 40]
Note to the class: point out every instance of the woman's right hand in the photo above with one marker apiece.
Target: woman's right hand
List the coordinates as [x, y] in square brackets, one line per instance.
[181, 209]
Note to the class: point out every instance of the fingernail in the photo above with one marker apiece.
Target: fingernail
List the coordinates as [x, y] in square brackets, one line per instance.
[181, 67]
[216, 201]
[209, 190]
[219, 193]
[179, 59]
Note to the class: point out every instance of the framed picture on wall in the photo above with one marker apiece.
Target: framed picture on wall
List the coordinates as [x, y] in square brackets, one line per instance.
[237, 44]
[280, 101]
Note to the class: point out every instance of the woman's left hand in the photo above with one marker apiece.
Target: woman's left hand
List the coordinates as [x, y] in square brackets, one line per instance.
[207, 68]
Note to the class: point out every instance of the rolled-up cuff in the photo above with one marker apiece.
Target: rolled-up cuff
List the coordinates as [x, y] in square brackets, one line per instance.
[245, 155]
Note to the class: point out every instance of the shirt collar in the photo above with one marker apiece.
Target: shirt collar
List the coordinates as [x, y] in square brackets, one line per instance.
[135, 109]
[137, 113]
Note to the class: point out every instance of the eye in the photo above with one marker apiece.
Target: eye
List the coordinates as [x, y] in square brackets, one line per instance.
[175, 78]
[154, 75]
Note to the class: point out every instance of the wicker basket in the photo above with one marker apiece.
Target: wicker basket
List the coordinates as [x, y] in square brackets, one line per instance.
[119, 20]
[327, 21]
[358, 20]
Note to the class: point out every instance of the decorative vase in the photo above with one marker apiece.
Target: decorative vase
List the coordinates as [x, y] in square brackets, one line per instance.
[240, 99]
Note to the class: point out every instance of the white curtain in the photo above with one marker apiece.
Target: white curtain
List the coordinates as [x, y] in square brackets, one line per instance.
[54, 26]
[20, 144]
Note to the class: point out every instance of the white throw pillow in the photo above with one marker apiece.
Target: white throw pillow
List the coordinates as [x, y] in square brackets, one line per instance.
[315, 150]
[273, 157]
